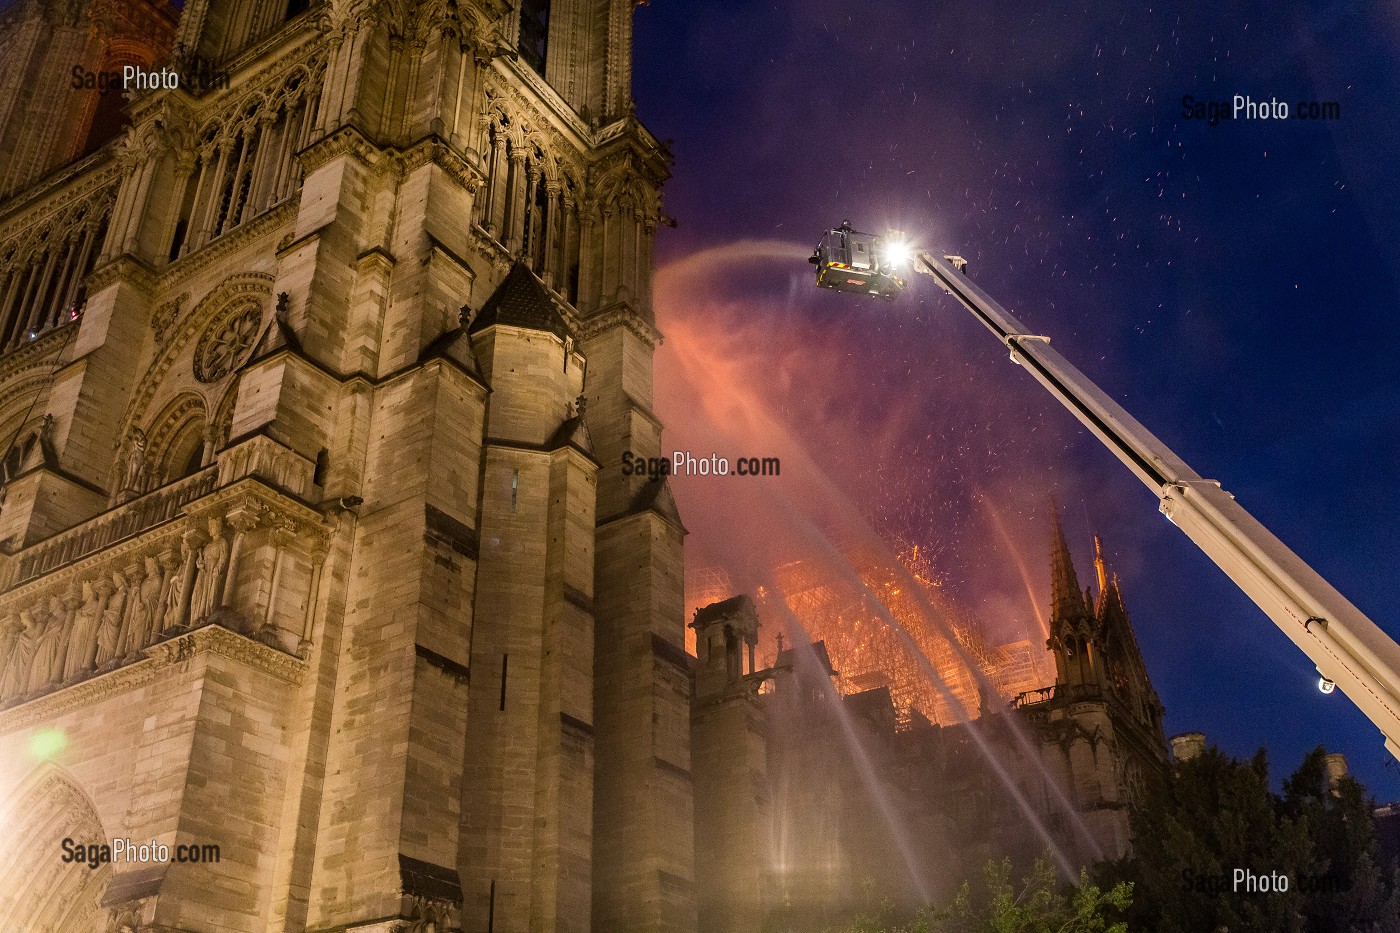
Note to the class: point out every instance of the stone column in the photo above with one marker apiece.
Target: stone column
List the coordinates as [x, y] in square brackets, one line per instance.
[514, 207]
[282, 536]
[197, 205]
[235, 209]
[242, 522]
[549, 234]
[264, 167]
[208, 221]
[495, 187]
[131, 223]
[36, 303]
[312, 601]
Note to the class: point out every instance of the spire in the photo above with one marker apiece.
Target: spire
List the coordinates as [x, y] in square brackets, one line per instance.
[1066, 600]
[1127, 671]
[1100, 566]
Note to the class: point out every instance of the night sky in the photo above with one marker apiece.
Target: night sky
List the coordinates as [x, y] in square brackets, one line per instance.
[1235, 287]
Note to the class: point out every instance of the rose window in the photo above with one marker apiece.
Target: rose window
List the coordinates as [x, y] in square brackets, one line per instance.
[221, 348]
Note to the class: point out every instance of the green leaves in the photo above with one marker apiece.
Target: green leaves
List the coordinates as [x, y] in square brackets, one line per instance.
[1215, 814]
[1037, 903]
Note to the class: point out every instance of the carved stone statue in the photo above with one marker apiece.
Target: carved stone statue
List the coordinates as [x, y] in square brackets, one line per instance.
[212, 563]
[174, 591]
[146, 609]
[47, 668]
[82, 640]
[10, 630]
[133, 478]
[109, 633]
[15, 681]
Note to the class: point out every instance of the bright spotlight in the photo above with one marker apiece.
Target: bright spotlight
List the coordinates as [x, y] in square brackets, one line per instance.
[898, 252]
[1325, 685]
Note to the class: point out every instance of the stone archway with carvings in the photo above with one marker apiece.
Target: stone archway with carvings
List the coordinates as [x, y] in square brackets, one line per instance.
[177, 436]
[38, 890]
[201, 347]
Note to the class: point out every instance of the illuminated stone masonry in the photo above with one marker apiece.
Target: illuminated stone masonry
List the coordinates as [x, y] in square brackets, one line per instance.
[315, 377]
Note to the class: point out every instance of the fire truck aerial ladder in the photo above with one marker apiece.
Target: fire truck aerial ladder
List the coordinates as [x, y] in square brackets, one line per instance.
[1350, 651]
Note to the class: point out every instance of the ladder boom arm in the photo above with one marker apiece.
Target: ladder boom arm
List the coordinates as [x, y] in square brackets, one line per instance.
[1347, 647]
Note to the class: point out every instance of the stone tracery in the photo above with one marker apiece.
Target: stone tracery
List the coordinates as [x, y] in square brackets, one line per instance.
[243, 160]
[42, 268]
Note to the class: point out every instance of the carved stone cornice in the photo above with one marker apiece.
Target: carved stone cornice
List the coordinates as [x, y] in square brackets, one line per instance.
[435, 150]
[544, 105]
[215, 639]
[619, 314]
[210, 639]
[123, 268]
[347, 140]
[39, 354]
[490, 248]
[254, 500]
[73, 571]
[84, 693]
[98, 174]
[181, 271]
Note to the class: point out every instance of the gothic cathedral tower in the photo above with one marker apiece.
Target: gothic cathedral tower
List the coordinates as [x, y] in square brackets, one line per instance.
[1101, 724]
[316, 556]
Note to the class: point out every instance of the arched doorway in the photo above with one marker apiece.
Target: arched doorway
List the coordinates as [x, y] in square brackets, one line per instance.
[38, 890]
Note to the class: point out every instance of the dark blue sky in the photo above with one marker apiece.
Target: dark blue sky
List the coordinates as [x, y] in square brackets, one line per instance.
[1234, 286]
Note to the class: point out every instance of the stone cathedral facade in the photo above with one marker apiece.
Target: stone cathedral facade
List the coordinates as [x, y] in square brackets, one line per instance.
[315, 376]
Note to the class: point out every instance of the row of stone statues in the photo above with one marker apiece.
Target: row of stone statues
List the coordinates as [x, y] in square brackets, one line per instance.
[109, 619]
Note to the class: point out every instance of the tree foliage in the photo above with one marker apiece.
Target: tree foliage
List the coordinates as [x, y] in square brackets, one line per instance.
[1215, 814]
[1038, 904]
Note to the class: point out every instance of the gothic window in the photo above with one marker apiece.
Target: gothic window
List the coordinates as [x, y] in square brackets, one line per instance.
[233, 181]
[176, 439]
[222, 347]
[186, 454]
[534, 33]
[41, 282]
